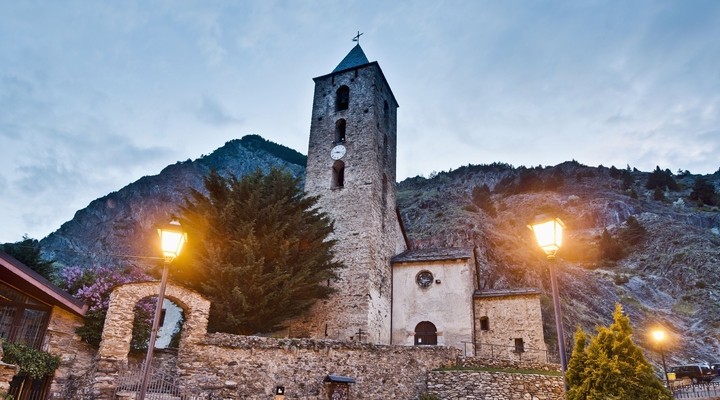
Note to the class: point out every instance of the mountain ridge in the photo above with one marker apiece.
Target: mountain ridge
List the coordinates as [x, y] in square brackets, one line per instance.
[667, 277]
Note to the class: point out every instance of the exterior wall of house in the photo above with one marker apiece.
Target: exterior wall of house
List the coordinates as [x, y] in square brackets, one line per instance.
[76, 356]
[510, 316]
[447, 304]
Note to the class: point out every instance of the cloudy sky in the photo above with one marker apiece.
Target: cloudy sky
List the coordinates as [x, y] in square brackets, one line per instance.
[96, 94]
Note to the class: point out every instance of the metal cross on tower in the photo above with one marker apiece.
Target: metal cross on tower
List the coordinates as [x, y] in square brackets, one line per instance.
[357, 37]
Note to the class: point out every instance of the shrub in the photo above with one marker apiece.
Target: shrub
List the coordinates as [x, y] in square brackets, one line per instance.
[35, 363]
[662, 179]
[621, 279]
[610, 249]
[658, 194]
[704, 192]
[481, 198]
[633, 232]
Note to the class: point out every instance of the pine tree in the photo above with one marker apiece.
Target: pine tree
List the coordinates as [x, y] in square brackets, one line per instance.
[578, 359]
[610, 249]
[634, 232]
[28, 252]
[258, 249]
[661, 179]
[614, 367]
[704, 192]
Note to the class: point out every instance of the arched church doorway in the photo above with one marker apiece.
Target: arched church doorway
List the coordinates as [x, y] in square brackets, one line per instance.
[425, 334]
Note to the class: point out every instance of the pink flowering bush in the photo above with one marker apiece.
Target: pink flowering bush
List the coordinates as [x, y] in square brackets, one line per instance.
[93, 286]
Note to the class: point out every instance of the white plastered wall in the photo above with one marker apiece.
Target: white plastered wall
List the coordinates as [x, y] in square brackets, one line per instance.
[448, 304]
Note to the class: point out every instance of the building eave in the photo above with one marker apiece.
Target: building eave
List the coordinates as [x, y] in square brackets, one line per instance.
[21, 277]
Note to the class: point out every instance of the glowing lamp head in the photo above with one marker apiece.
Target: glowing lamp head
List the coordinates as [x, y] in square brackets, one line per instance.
[658, 335]
[172, 239]
[548, 233]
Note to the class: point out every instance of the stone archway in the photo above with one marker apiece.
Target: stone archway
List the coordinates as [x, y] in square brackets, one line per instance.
[115, 344]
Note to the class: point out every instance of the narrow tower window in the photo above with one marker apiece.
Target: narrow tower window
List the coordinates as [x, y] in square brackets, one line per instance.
[386, 114]
[425, 334]
[519, 345]
[340, 131]
[338, 179]
[342, 99]
[384, 205]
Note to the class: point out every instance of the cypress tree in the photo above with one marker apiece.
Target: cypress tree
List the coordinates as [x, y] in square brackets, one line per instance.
[578, 359]
[28, 252]
[614, 367]
[258, 249]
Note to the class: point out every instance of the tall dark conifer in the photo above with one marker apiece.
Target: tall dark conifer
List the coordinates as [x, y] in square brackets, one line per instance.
[613, 367]
[28, 252]
[258, 249]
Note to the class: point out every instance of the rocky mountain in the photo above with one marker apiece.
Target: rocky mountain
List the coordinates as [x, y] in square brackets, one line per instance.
[660, 257]
[120, 228]
[656, 251]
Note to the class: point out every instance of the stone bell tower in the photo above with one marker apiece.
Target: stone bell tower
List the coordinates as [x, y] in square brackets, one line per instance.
[351, 166]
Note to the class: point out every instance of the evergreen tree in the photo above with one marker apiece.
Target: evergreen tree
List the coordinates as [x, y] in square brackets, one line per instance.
[481, 198]
[610, 249]
[258, 249]
[614, 367]
[627, 180]
[578, 359]
[704, 192]
[659, 194]
[28, 252]
[662, 179]
[634, 232]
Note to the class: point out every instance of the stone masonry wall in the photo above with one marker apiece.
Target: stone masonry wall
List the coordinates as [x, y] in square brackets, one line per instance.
[511, 316]
[363, 209]
[465, 383]
[76, 356]
[115, 344]
[250, 367]
[450, 385]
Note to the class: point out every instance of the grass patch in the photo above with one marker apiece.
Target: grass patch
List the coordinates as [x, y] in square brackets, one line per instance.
[505, 370]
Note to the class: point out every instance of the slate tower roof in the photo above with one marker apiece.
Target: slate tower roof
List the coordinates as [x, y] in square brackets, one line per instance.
[354, 58]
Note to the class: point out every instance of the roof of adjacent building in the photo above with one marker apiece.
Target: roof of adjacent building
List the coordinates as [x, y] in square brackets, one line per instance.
[21, 277]
[435, 254]
[505, 292]
[355, 58]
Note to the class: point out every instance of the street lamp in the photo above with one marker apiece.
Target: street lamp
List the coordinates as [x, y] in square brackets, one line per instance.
[548, 232]
[172, 239]
[659, 336]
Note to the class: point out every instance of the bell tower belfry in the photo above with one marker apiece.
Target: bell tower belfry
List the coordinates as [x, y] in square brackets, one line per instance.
[351, 167]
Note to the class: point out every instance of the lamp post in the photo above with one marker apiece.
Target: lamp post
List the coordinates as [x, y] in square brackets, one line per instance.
[172, 239]
[659, 336]
[548, 233]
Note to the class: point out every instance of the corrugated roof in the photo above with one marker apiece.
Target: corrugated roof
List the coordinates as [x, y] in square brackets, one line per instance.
[505, 292]
[435, 254]
[355, 58]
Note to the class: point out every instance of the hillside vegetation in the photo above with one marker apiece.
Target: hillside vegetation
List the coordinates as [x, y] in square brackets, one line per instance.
[644, 240]
[647, 240]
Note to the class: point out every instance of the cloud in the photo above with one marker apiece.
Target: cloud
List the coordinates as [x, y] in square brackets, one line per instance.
[213, 113]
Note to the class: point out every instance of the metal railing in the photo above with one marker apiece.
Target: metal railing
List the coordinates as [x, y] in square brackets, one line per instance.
[505, 352]
[162, 386]
[709, 390]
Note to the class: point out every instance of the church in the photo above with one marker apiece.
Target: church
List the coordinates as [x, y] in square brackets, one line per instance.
[390, 293]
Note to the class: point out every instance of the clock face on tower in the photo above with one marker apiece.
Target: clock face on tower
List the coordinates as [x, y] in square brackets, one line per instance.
[337, 152]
